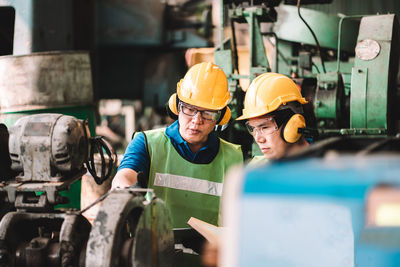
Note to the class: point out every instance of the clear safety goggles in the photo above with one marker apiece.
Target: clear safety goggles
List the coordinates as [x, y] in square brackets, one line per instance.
[191, 111]
[268, 126]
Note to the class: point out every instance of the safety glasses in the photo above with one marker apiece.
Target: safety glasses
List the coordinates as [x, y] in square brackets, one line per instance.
[205, 114]
[268, 126]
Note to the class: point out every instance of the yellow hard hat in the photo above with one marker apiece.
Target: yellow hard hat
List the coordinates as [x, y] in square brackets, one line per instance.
[267, 93]
[204, 85]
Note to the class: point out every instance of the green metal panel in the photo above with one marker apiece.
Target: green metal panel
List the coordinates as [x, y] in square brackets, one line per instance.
[258, 56]
[285, 57]
[290, 28]
[358, 98]
[253, 16]
[327, 96]
[223, 58]
[379, 29]
[355, 7]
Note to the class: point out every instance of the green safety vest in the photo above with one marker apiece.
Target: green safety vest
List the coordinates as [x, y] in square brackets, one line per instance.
[188, 189]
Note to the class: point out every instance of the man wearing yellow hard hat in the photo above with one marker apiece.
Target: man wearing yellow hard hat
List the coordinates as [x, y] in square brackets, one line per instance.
[186, 162]
[272, 108]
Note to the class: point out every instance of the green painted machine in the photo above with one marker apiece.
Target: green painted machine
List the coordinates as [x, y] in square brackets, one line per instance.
[346, 66]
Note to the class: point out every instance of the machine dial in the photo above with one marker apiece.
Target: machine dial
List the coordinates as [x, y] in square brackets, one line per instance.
[367, 49]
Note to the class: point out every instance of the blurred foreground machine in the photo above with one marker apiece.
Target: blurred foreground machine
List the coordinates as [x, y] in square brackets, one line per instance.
[315, 208]
[48, 152]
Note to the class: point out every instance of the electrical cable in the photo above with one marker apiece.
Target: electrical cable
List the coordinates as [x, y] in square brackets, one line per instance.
[313, 34]
[99, 145]
[316, 67]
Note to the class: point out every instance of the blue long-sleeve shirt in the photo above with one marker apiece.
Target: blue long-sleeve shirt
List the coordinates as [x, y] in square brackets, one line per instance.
[137, 159]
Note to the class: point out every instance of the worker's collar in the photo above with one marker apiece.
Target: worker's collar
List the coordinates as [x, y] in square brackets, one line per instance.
[211, 145]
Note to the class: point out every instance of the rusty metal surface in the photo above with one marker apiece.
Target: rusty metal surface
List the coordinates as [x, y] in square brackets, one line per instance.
[154, 231]
[47, 147]
[12, 189]
[43, 80]
[5, 161]
[74, 234]
[91, 191]
[19, 228]
[42, 239]
[104, 240]
[131, 231]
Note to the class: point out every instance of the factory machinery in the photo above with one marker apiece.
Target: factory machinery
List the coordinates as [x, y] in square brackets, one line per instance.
[348, 96]
[312, 205]
[335, 203]
[48, 152]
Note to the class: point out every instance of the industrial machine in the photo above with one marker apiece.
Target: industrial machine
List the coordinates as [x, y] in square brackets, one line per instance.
[347, 95]
[48, 152]
[315, 208]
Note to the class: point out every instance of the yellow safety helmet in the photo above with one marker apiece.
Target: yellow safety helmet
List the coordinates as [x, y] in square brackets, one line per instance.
[205, 85]
[267, 93]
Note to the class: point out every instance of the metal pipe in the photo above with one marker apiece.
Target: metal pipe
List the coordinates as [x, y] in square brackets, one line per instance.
[221, 22]
[251, 43]
[276, 48]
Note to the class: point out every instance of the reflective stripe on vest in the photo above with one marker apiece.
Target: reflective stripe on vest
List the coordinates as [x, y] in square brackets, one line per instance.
[188, 189]
[188, 184]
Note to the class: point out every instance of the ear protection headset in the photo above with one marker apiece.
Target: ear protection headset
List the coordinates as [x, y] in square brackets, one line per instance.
[291, 123]
[290, 130]
[172, 110]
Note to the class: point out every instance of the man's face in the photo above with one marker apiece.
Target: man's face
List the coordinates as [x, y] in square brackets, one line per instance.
[195, 123]
[268, 137]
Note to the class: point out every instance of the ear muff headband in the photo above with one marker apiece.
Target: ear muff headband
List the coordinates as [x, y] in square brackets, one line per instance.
[225, 116]
[172, 107]
[290, 129]
[173, 104]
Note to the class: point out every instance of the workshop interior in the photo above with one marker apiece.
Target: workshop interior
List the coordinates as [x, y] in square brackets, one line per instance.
[79, 77]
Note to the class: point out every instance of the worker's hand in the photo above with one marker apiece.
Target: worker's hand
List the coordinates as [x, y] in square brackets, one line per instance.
[124, 178]
[209, 257]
